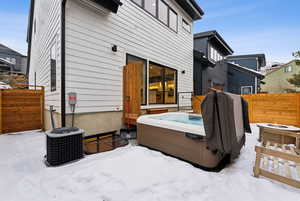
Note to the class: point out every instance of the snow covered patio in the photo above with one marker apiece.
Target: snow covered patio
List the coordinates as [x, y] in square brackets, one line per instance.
[130, 173]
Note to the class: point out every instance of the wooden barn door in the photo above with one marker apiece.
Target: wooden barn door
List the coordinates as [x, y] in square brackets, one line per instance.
[132, 92]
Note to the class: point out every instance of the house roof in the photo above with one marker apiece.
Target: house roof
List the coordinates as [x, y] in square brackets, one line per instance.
[261, 57]
[247, 70]
[217, 36]
[6, 62]
[192, 8]
[9, 50]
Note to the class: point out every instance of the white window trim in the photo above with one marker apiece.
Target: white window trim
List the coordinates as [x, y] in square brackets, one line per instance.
[242, 87]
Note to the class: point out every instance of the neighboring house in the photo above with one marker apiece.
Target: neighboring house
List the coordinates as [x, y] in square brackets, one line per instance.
[212, 69]
[246, 84]
[270, 66]
[276, 81]
[210, 49]
[12, 61]
[82, 46]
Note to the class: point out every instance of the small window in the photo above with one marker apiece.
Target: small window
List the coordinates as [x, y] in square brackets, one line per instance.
[211, 52]
[288, 69]
[53, 68]
[138, 2]
[186, 26]
[150, 6]
[34, 26]
[163, 12]
[173, 20]
[13, 61]
[246, 90]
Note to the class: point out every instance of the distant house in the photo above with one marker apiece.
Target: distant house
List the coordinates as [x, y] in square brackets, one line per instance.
[276, 80]
[11, 61]
[242, 82]
[85, 46]
[215, 68]
[210, 49]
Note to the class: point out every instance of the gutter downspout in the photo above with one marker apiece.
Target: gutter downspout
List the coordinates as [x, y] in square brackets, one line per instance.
[63, 63]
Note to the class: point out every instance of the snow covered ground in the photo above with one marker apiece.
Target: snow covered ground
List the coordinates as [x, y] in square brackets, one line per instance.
[131, 173]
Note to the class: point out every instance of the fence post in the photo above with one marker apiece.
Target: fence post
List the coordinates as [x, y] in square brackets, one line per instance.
[42, 102]
[298, 109]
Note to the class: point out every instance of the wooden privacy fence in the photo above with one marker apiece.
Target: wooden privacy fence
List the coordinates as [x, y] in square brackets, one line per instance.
[268, 108]
[21, 109]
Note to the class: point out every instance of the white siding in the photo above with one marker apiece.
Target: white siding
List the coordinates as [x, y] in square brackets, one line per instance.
[47, 15]
[95, 72]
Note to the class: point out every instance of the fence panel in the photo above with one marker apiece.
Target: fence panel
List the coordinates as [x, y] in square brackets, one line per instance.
[21, 110]
[268, 108]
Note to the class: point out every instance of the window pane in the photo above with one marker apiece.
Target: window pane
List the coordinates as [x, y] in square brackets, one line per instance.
[186, 26]
[173, 20]
[156, 84]
[150, 6]
[211, 52]
[170, 86]
[163, 12]
[132, 59]
[53, 68]
[139, 2]
[246, 90]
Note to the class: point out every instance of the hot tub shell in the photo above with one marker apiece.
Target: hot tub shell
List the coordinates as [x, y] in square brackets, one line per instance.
[176, 142]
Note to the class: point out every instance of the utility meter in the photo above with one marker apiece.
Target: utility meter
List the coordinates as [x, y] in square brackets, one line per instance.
[72, 103]
[72, 98]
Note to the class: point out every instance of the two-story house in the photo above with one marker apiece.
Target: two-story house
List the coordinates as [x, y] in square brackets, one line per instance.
[243, 83]
[210, 50]
[214, 67]
[276, 81]
[82, 46]
[12, 61]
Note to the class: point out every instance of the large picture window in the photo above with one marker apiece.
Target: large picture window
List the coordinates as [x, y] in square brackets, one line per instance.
[162, 84]
[143, 84]
[53, 68]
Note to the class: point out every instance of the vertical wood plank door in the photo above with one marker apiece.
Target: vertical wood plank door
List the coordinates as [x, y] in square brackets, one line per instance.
[132, 92]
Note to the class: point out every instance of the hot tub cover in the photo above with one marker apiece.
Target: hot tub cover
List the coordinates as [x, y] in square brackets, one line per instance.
[225, 118]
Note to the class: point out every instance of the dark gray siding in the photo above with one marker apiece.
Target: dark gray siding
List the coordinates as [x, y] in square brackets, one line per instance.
[198, 67]
[201, 45]
[237, 79]
[216, 76]
[247, 62]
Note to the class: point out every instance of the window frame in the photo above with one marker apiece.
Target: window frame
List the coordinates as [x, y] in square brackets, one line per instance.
[168, 11]
[157, 13]
[146, 77]
[53, 84]
[188, 24]
[251, 91]
[288, 69]
[164, 79]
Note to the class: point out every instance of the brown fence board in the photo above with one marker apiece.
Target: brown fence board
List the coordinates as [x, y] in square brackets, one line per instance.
[268, 108]
[21, 110]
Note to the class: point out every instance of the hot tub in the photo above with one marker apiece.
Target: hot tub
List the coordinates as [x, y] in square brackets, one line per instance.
[178, 134]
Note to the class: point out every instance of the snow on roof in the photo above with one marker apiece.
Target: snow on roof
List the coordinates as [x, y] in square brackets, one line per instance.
[247, 69]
